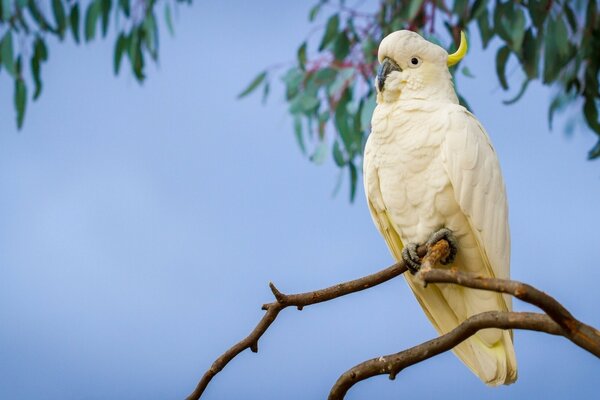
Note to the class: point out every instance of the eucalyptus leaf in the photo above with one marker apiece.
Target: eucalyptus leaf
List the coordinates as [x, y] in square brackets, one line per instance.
[331, 30]
[501, 60]
[320, 154]
[6, 53]
[253, 85]
[91, 19]
[20, 100]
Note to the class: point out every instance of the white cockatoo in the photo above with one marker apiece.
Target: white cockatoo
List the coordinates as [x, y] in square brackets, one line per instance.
[430, 172]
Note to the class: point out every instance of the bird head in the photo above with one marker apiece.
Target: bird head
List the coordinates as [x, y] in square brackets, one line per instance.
[413, 68]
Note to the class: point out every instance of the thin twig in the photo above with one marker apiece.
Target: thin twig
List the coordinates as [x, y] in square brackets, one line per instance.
[299, 300]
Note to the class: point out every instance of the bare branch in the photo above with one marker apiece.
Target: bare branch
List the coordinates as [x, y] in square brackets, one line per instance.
[558, 321]
[301, 300]
[581, 334]
[394, 363]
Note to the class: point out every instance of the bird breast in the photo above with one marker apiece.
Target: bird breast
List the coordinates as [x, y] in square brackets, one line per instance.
[404, 152]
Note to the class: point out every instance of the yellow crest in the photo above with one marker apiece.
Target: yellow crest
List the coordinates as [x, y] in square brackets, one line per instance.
[458, 55]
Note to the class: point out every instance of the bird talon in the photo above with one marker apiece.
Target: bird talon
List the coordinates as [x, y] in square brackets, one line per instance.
[446, 234]
[411, 258]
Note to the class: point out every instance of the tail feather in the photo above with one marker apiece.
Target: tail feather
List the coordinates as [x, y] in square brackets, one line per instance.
[494, 364]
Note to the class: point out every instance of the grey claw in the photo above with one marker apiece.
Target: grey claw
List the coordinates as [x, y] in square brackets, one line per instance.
[447, 234]
[411, 258]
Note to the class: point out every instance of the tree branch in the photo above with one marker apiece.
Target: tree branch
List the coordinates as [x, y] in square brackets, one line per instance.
[394, 363]
[305, 299]
[583, 335]
[558, 321]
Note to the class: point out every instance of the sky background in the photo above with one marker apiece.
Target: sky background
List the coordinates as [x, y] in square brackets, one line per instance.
[140, 225]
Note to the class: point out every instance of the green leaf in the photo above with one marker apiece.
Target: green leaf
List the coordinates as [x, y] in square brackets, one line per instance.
[571, 18]
[554, 106]
[501, 59]
[120, 48]
[323, 77]
[342, 124]
[314, 11]
[485, 30]
[530, 54]
[292, 79]
[59, 16]
[6, 9]
[590, 13]
[341, 46]
[91, 19]
[38, 17]
[556, 49]
[341, 81]
[590, 111]
[298, 133]
[124, 4]
[331, 31]
[467, 72]
[135, 54]
[253, 85]
[151, 35]
[20, 100]
[266, 89]
[40, 54]
[74, 20]
[320, 154]
[519, 95]
[460, 7]
[517, 30]
[169, 19]
[6, 53]
[415, 5]
[369, 48]
[503, 13]
[106, 5]
[478, 8]
[538, 11]
[366, 113]
[353, 180]
[301, 55]
[595, 151]
[338, 155]
[304, 103]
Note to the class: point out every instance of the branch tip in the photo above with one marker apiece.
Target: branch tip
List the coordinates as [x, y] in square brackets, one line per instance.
[278, 295]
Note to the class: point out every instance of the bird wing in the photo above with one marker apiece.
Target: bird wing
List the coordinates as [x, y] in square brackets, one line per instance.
[474, 172]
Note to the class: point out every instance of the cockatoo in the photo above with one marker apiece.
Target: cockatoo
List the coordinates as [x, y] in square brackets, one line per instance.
[430, 172]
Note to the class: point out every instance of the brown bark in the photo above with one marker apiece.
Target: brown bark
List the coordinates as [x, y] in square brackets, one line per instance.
[557, 320]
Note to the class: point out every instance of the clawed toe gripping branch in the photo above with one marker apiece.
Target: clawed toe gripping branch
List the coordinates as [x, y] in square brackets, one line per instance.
[556, 320]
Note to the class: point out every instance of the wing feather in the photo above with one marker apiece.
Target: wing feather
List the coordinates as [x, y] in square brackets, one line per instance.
[474, 171]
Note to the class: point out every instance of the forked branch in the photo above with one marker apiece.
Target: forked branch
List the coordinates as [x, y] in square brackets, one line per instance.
[558, 321]
[300, 301]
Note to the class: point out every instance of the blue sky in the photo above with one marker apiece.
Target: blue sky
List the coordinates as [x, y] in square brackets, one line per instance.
[140, 225]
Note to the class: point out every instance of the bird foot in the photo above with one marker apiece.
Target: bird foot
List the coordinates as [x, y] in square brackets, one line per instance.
[446, 234]
[411, 258]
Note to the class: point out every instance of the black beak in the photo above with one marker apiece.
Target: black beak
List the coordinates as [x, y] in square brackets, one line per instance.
[387, 66]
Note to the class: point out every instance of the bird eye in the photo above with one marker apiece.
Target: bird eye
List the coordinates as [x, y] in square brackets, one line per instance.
[414, 62]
